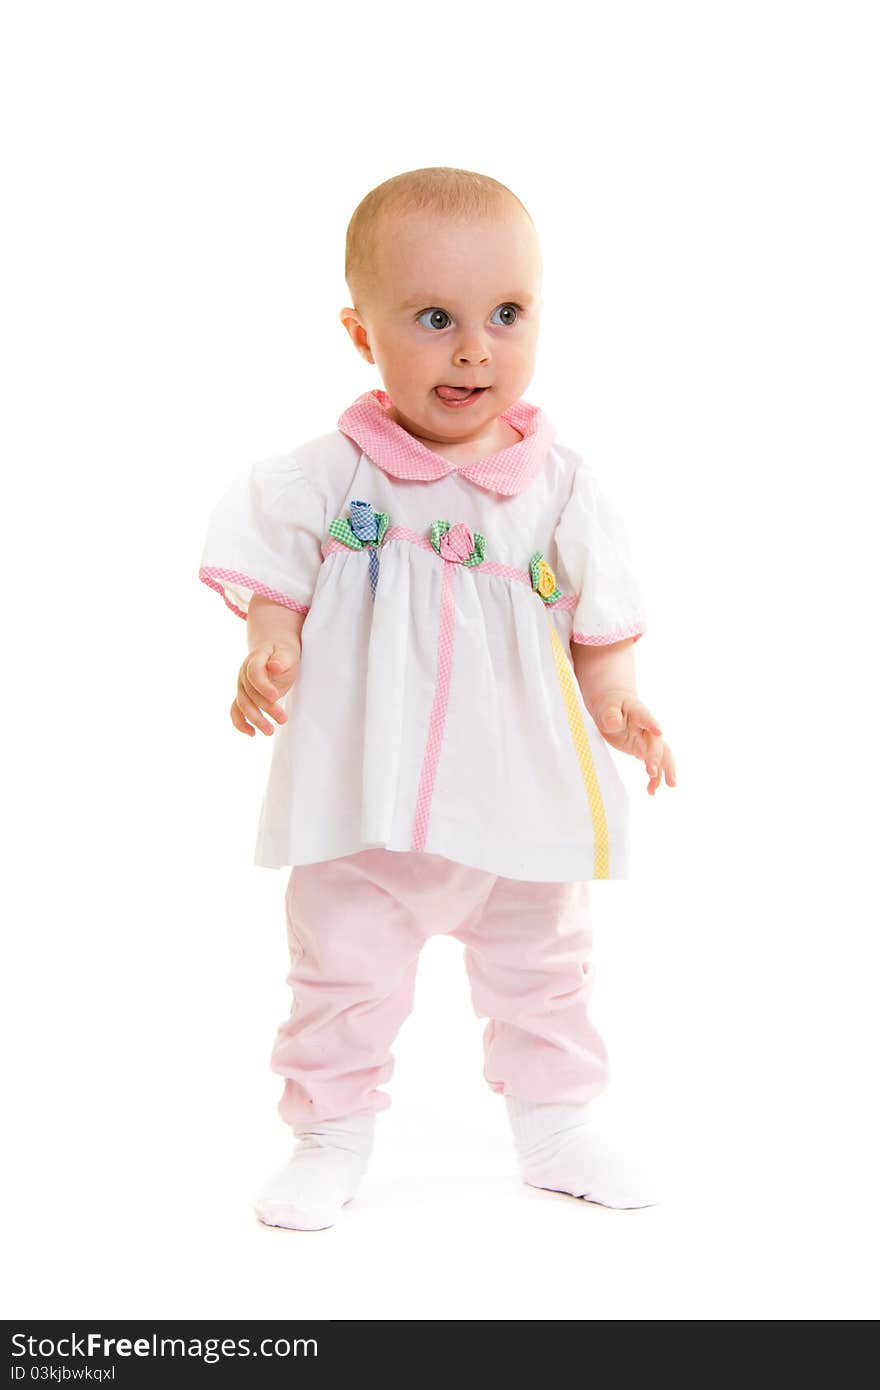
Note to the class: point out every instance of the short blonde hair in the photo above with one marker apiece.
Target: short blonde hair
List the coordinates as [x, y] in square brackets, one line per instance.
[455, 193]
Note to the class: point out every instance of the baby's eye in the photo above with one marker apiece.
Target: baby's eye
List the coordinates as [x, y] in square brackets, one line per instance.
[435, 314]
[511, 311]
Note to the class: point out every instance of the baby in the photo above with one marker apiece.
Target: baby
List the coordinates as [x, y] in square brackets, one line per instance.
[441, 617]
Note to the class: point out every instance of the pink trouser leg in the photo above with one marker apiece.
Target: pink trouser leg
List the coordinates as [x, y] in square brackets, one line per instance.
[354, 948]
[356, 926]
[528, 958]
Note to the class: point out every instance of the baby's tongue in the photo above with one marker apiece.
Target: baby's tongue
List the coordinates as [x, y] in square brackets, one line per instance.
[452, 393]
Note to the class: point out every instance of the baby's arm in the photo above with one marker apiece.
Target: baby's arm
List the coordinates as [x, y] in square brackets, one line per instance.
[269, 669]
[607, 679]
[604, 670]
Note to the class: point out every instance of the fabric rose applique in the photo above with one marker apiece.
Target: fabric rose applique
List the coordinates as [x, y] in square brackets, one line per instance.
[458, 543]
[362, 529]
[543, 579]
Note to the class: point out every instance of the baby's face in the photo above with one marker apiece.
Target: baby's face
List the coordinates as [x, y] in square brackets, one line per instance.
[453, 304]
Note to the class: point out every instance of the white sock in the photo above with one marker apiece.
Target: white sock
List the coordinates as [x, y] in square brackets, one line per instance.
[559, 1149]
[328, 1162]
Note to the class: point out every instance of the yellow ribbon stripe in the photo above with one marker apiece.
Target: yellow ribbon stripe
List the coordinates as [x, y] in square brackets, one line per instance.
[567, 684]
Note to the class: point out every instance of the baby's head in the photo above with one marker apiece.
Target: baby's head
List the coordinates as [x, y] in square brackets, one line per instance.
[444, 269]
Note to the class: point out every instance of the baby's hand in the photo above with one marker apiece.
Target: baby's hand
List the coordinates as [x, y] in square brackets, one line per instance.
[264, 678]
[629, 726]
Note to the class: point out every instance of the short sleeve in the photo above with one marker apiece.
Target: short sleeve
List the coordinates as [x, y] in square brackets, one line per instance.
[594, 563]
[264, 537]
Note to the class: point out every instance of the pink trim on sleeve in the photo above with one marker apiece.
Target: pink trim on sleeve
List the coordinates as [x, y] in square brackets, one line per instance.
[214, 577]
[605, 639]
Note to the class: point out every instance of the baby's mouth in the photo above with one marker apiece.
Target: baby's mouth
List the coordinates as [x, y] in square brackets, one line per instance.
[458, 393]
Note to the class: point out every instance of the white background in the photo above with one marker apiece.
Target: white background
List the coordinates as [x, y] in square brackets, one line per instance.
[179, 178]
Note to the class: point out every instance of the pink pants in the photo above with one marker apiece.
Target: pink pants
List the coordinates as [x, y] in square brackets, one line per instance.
[356, 926]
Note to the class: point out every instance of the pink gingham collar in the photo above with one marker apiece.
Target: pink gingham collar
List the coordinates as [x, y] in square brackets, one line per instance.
[399, 453]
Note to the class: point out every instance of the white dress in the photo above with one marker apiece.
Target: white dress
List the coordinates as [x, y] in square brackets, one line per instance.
[436, 706]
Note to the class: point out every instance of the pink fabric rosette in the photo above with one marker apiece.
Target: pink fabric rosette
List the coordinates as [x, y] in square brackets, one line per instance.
[457, 543]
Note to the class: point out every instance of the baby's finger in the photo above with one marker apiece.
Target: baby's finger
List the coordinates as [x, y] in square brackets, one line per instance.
[642, 716]
[254, 671]
[239, 720]
[657, 770]
[252, 711]
[653, 755]
[270, 705]
[654, 761]
[669, 767]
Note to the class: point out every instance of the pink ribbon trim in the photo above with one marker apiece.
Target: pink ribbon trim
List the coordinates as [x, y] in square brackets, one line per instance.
[605, 639]
[213, 576]
[403, 533]
[437, 723]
